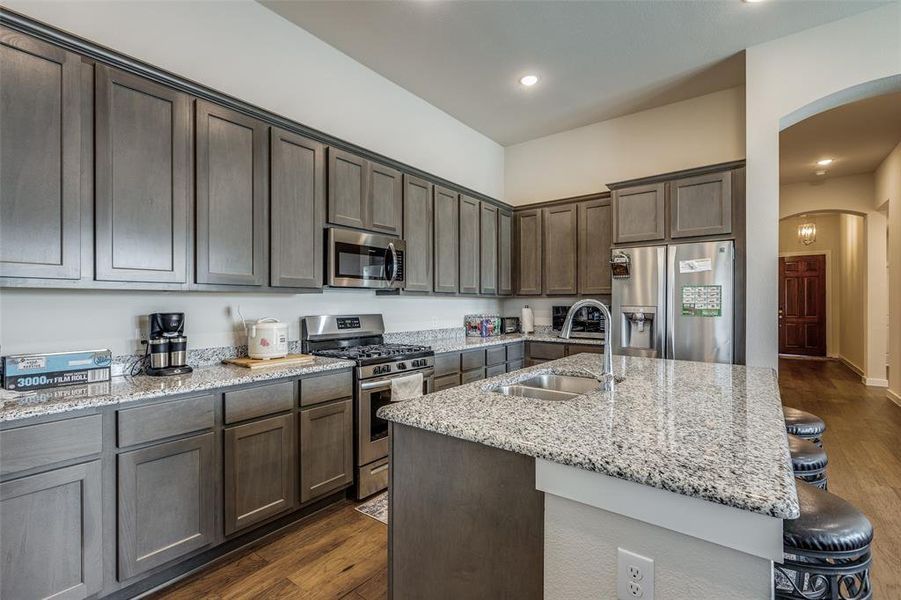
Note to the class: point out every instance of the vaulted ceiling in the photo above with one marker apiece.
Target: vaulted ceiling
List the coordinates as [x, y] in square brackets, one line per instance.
[596, 60]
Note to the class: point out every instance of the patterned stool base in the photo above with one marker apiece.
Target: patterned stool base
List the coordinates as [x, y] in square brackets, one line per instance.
[824, 576]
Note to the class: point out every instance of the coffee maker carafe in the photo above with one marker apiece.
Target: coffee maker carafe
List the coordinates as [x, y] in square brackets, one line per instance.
[167, 345]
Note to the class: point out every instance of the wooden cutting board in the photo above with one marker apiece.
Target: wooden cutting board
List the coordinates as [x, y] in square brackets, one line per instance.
[291, 360]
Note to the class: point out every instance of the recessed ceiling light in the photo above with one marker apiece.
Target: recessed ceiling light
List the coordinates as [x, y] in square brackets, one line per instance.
[821, 172]
[824, 162]
[528, 80]
[752, 1]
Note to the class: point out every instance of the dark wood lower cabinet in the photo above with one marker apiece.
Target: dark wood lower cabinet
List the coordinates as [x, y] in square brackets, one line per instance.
[326, 448]
[260, 465]
[51, 529]
[167, 502]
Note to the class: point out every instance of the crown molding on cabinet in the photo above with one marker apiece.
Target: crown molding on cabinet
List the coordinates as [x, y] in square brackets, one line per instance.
[724, 166]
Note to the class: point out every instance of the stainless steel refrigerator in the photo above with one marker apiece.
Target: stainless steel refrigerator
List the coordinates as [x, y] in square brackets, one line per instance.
[675, 301]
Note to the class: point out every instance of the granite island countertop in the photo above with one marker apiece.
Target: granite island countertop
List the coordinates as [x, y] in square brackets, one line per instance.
[456, 343]
[121, 390]
[708, 431]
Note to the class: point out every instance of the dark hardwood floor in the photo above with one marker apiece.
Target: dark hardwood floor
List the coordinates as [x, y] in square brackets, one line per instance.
[342, 554]
[863, 442]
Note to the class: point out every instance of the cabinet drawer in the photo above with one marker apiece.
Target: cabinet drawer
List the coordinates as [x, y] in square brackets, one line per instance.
[446, 364]
[496, 356]
[258, 401]
[515, 351]
[372, 478]
[580, 348]
[445, 382]
[546, 350]
[474, 375]
[326, 387]
[514, 365]
[39, 445]
[495, 370]
[168, 419]
[472, 359]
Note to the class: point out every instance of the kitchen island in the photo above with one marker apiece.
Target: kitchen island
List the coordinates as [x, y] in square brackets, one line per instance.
[504, 496]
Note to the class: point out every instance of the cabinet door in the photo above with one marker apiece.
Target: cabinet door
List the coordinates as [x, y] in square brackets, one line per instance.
[561, 249]
[504, 253]
[595, 234]
[447, 240]
[385, 199]
[51, 526]
[348, 189]
[418, 234]
[143, 178]
[232, 201]
[166, 503]
[527, 241]
[326, 449]
[259, 471]
[297, 172]
[638, 214]
[488, 245]
[701, 205]
[40, 159]
[469, 245]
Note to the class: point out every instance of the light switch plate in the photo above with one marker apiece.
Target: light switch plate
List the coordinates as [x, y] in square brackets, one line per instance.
[634, 576]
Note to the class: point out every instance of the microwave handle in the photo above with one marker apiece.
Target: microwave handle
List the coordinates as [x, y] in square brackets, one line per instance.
[393, 263]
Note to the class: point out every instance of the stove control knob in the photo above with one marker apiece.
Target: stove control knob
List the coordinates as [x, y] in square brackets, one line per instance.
[401, 365]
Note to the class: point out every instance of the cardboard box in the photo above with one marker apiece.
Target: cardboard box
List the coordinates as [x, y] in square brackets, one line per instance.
[35, 371]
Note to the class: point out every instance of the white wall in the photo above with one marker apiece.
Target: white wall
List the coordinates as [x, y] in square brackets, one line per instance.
[888, 191]
[58, 320]
[245, 50]
[696, 132]
[852, 283]
[852, 193]
[784, 76]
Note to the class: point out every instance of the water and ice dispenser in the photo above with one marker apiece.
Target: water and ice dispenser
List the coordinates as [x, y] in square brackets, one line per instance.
[638, 326]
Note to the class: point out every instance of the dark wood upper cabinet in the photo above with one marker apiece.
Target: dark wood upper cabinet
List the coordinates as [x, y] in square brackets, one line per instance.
[504, 253]
[348, 189]
[527, 239]
[260, 466]
[385, 199]
[232, 198]
[326, 449]
[561, 249]
[447, 240]
[469, 245]
[488, 244]
[167, 500]
[638, 213]
[40, 159]
[52, 542]
[418, 234]
[297, 188]
[595, 235]
[143, 179]
[701, 205]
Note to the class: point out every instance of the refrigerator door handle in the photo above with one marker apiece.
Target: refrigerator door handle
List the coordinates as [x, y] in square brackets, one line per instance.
[671, 302]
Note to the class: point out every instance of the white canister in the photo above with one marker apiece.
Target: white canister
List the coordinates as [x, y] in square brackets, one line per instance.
[267, 338]
[527, 320]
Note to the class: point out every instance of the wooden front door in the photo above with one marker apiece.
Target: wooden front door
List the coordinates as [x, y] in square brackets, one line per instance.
[802, 305]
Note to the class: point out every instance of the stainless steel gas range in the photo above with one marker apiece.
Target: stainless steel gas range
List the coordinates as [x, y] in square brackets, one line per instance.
[360, 338]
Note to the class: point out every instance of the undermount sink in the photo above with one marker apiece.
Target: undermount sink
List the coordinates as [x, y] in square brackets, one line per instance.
[550, 387]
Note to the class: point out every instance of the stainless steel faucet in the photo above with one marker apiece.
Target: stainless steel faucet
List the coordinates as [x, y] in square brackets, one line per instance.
[608, 331]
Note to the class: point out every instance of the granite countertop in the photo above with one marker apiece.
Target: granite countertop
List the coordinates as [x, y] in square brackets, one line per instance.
[21, 405]
[708, 431]
[456, 343]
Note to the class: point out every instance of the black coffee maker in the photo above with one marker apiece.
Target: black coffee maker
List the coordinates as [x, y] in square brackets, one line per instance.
[167, 346]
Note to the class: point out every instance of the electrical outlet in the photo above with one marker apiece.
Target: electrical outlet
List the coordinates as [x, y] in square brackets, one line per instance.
[634, 576]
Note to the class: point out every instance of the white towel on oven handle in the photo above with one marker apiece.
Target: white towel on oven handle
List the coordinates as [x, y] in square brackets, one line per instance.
[406, 387]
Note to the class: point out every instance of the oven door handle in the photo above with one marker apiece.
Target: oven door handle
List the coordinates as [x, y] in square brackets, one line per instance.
[368, 386]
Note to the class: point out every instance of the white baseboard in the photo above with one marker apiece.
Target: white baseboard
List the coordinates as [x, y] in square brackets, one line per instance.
[874, 382]
[851, 365]
[893, 397]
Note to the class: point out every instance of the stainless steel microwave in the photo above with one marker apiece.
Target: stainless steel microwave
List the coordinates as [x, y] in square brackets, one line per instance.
[364, 260]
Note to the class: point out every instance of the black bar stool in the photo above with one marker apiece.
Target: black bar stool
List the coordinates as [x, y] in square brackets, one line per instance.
[826, 550]
[804, 425]
[808, 461]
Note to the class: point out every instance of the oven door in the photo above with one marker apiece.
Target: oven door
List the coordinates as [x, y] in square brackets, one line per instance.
[372, 432]
[364, 260]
